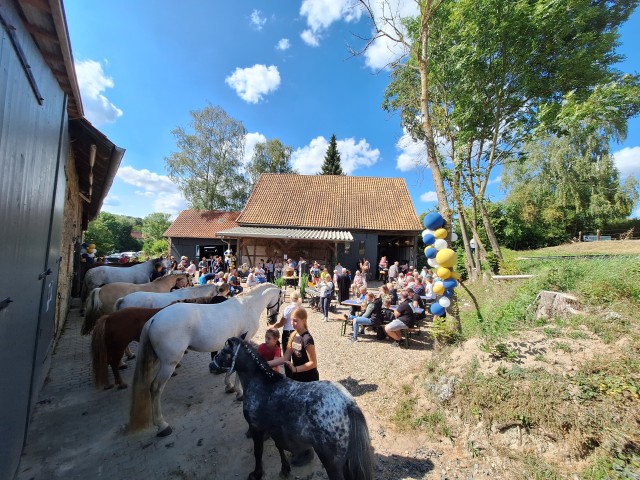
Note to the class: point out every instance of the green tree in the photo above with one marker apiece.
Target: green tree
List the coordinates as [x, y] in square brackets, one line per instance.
[270, 157]
[112, 233]
[331, 165]
[208, 164]
[482, 74]
[154, 225]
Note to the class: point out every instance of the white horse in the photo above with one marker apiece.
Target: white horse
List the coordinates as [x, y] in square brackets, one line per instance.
[160, 300]
[203, 328]
[98, 276]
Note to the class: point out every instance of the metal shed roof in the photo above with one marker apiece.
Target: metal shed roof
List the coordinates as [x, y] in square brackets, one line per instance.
[291, 233]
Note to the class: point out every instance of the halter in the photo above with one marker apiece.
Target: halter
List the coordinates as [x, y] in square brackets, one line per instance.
[231, 369]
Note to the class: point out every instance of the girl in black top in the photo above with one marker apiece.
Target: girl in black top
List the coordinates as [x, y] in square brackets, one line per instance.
[300, 358]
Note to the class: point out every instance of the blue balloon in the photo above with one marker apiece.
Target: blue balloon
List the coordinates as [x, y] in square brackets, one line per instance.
[430, 252]
[450, 283]
[428, 238]
[437, 309]
[448, 293]
[433, 221]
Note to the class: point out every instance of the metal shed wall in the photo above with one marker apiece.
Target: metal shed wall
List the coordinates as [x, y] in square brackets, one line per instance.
[33, 148]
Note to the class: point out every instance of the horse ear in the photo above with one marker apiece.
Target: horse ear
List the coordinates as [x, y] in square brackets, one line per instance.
[243, 336]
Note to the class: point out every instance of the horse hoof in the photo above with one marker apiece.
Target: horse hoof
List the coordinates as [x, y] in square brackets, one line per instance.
[124, 366]
[122, 386]
[165, 433]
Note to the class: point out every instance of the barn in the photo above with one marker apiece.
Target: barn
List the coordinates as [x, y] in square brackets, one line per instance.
[56, 171]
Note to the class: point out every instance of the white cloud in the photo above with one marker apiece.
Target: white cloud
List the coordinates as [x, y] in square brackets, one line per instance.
[111, 201]
[250, 141]
[429, 197]
[93, 82]
[496, 180]
[252, 83]
[413, 154]
[320, 14]
[283, 44]
[256, 20]
[309, 159]
[310, 39]
[628, 161]
[167, 197]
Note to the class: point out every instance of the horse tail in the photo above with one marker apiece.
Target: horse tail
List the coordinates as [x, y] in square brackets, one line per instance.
[118, 303]
[359, 464]
[99, 353]
[141, 408]
[92, 310]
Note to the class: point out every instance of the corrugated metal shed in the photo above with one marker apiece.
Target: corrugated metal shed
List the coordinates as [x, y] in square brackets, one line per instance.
[289, 233]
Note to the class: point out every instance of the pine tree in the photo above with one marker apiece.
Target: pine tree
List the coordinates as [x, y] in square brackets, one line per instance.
[331, 165]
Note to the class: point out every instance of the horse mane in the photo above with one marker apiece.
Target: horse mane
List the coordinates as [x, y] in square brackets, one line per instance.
[268, 371]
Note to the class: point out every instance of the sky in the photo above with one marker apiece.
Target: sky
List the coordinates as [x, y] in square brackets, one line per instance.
[285, 69]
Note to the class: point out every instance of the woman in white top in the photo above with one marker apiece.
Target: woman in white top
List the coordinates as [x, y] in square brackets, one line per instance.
[251, 278]
[326, 292]
[285, 321]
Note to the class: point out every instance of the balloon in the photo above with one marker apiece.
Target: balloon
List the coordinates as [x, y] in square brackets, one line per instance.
[446, 257]
[92, 245]
[438, 288]
[450, 283]
[432, 262]
[437, 309]
[91, 250]
[454, 236]
[84, 255]
[444, 273]
[433, 221]
[440, 244]
[455, 275]
[445, 302]
[85, 244]
[440, 233]
[430, 252]
[448, 293]
[428, 239]
[425, 232]
[91, 255]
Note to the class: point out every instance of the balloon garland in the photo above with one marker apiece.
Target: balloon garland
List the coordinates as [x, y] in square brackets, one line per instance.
[88, 252]
[442, 258]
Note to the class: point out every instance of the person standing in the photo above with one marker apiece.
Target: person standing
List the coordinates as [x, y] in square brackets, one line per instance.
[326, 292]
[300, 357]
[285, 321]
[303, 269]
[394, 271]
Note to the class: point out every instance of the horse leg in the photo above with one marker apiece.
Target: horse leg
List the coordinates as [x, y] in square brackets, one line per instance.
[238, 388]
[157, 387]
[334, 470]
[227, 383]
[258, 445]
[285, 468]
[115, 368]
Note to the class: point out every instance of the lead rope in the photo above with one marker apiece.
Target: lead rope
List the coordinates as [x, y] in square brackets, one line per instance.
[235, 356]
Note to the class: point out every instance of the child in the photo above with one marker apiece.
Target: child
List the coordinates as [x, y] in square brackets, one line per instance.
[270, 349]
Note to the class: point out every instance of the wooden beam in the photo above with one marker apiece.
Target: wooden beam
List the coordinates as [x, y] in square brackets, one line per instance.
[42, 33]
[41, 5]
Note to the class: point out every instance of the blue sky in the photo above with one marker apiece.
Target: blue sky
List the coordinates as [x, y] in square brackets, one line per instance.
[283, 68]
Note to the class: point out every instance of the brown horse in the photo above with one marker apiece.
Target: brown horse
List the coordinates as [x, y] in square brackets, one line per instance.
[102, 300]
[111, 335]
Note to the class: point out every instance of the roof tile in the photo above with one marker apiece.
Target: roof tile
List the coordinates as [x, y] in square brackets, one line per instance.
[201, 223]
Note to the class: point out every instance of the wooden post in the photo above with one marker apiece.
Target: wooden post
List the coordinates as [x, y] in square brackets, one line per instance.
[598, 234]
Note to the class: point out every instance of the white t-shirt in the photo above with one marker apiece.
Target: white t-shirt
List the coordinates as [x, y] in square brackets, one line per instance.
[287, 316]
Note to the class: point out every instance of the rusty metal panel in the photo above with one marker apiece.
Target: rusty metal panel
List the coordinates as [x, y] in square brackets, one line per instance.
[30, 152]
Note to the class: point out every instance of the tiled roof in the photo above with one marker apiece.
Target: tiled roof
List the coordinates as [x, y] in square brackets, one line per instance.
[331, 201]
[201, 223]
[292, 233]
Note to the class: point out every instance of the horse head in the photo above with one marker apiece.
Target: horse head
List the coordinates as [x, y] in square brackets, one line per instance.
[274, 309]
[238, 354]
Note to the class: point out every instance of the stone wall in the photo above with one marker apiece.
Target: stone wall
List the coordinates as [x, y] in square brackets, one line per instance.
[71, 238]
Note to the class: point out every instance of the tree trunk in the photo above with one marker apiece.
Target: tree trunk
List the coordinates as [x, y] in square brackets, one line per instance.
[489, 229]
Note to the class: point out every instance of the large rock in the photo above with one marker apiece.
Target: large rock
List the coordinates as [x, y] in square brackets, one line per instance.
[555, 304]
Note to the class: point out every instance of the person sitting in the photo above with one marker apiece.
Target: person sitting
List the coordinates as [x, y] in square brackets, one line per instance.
[417, 303]
[234, 282]
[260, 274]
[252, 281]
[180, 283]
[359, 321]
[362, 298]
[205, 277]
[159, 271]
[404, 318]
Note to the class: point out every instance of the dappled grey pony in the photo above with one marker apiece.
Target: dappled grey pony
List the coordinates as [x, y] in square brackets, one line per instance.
[299, 415]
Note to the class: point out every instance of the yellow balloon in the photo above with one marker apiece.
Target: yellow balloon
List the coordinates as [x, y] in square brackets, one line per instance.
[440, 233]
[91, 250]
[92, 245]
[455, 275]
[446, 258]
[444, 273]
[438, 288]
